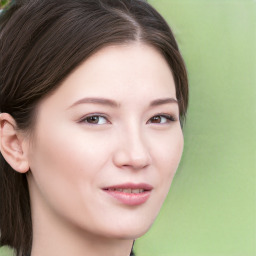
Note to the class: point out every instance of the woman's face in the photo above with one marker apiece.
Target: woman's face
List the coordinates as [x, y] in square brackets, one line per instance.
[107, 144]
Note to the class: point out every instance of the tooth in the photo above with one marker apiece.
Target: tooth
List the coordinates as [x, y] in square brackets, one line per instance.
[136, 191]
[119, 189]
[141, 190]
[127, 190]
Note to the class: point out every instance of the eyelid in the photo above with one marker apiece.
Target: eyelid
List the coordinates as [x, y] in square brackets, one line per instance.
[169, 117]
[82, 119]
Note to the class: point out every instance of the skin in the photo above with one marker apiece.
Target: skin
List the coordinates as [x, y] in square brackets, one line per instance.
[72, 157]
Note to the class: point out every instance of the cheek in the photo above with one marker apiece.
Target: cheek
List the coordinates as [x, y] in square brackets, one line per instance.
[64, 167]
[67, 150]
[167, 156]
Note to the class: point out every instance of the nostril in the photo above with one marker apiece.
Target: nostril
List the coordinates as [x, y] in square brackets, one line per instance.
[126, 160]
[137, 164]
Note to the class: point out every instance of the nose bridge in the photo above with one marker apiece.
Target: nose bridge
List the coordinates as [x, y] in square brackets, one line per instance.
[136, 142]
[133, 150]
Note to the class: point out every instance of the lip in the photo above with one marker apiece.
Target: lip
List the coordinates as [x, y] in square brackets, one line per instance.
[131, 199]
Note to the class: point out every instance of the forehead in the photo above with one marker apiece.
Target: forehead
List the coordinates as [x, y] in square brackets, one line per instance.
[120, 72]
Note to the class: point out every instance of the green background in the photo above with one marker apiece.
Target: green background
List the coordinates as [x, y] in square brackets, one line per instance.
[211, 207]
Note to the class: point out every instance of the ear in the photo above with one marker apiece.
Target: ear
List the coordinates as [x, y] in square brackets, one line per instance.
[13, 144]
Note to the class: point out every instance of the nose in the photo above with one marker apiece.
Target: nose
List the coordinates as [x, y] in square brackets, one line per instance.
[132, 151]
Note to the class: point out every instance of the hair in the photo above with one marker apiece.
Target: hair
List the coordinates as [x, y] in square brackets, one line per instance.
[41, 43]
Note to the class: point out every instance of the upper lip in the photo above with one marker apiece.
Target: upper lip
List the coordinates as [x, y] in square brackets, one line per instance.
[143, 186]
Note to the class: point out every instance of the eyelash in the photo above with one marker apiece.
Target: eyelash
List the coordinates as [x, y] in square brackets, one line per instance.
[85, 119]
[169, 118]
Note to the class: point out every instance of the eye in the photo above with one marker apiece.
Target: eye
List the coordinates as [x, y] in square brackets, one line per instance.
[161, 119]
[95, 120]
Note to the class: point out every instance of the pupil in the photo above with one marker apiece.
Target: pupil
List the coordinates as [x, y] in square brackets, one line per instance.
[156, 119]
[94, 119]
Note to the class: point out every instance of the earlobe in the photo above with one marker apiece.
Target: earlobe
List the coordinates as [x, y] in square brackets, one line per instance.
[12, 147]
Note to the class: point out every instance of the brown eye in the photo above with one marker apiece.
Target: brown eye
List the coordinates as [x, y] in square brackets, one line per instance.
[156, 119]
[95, 119]
[92, 119]
[161, 119]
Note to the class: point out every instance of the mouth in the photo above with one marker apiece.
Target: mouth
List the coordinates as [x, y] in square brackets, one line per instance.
[130, 193]
[127, 190]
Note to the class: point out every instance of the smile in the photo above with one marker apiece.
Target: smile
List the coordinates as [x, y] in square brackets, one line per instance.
[130, 194]
[127, 190]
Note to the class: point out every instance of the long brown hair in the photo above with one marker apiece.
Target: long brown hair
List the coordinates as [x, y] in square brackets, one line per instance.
[41, 42]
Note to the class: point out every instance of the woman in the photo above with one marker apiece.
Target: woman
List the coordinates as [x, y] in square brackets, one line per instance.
[93, 95]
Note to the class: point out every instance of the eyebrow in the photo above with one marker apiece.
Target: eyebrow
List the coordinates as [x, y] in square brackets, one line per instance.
[163, 101]
[114, 104]
[100, 101]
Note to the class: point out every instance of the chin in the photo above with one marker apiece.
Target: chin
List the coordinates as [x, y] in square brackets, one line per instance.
[130, 232]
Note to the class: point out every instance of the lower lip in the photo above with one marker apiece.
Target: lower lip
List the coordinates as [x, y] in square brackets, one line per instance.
[129, 198]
